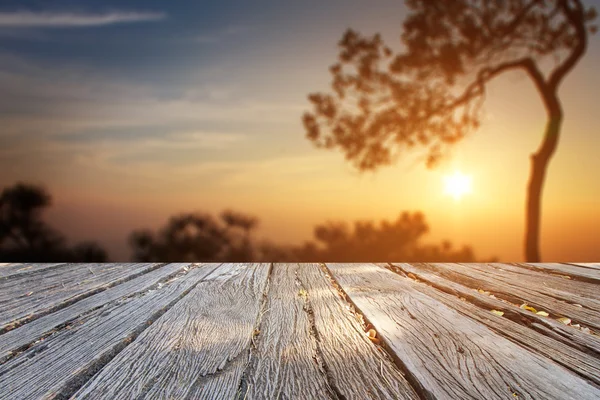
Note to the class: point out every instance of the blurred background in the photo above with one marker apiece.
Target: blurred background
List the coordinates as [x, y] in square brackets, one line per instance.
[168, 131]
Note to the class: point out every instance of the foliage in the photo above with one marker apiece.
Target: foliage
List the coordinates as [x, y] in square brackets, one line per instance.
[24, 236]
[199, 237]
[390, 241]
[430, 93]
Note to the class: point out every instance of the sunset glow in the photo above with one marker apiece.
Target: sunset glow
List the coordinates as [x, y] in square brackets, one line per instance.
[457, 185]
[132, 112]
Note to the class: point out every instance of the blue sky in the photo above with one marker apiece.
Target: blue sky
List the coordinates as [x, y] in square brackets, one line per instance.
[179, 54]
[168, 41]
[130, 111]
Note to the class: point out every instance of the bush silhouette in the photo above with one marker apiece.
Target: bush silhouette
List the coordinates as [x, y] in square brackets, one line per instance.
[200, 237]
[25, 237]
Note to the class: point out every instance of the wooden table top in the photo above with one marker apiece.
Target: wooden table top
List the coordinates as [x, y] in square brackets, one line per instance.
[300, 331]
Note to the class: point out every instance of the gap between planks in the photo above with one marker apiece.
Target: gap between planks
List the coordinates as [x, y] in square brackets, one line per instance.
[520, 288]
[19, 339]
[500, 297]
[532, 335]
[586, 273]
[57, 367]
[314, 347]
[211, 371]
[451, 355]
[21, 303]
[198, 349]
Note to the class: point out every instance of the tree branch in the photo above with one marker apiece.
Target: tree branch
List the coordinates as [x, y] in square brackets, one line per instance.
[577, 20]
[546, 91]
[548, 95]
[487, 74]
[519, 18]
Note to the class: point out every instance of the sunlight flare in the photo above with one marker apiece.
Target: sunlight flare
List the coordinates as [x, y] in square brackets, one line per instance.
[457, 185]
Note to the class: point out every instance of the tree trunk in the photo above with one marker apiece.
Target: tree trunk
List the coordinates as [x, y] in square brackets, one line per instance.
[539, 164]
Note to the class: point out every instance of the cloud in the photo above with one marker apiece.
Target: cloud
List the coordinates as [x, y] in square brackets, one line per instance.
[220, 35]
[30, 19]
[81, 120]
[129, 144]
[206, 140]
[59, 99]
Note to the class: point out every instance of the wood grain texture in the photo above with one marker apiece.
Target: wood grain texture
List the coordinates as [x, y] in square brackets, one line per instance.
[451, 355]
[286, 361]
[594, 266]
[478, 307]
[29, 296]
[358, 367]
[580, 272]
[59, 365]
[571, 291]
[311, 347]
[520, 289]
[28, 333]
[197, 350]
[12, 269]
[547, 325]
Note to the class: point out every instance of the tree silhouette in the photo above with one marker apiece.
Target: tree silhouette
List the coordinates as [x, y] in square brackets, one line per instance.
[397, 240]
[240, 248]
[88, 252]
[24, 236]
[431, 93]
[197, 237]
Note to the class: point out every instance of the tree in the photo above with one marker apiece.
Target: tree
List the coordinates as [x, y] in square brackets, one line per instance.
[88, 252]
[198, 237]
[398, 240]
[25, 237]
[430, 94]
[241, 247]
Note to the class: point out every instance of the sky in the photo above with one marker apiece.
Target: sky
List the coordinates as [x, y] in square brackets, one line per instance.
[132, 111]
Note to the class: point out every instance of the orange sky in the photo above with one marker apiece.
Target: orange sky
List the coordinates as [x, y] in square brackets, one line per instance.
[233, 139]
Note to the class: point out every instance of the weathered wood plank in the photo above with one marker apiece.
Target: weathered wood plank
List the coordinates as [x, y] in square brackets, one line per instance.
[59, 365]
[584, 295]
[569, 290]
[29, 296]
[451, 355]
[595, 266]
[579, 272]
[11, 269]
[28, 333]
[586, 365]
[286, 361]
[521, 291]
[311, 347]
[196, 350]
[344, 347]
[467, 287]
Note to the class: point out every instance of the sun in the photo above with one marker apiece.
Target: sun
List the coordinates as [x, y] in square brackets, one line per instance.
[457, 185]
